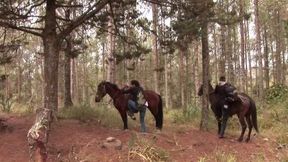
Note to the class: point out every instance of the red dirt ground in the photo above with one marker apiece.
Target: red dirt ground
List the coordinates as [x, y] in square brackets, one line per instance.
[71, 140]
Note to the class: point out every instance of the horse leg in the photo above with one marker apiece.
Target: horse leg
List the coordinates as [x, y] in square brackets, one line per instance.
[124, 119]
[248, 120]
[243, 126]
[142, 120]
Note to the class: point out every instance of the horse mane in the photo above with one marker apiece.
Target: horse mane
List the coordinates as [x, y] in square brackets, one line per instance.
[113, 85]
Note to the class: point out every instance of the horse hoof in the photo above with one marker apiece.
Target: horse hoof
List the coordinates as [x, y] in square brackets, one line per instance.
[240, 139]
[247, 140]
[221, 136]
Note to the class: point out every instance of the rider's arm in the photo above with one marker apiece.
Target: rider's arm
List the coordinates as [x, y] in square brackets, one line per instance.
[129, 90]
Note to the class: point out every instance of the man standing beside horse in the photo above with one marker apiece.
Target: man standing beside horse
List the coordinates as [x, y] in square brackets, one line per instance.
[227, 94]
[136, 102]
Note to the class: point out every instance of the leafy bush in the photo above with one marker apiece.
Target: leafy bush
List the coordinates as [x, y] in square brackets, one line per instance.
[276, 93]
[6, 103]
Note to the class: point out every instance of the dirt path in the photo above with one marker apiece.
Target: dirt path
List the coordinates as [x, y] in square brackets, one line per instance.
[71, 140]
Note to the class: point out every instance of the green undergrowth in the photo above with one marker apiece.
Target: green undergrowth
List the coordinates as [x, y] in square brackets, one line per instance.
[104, 114]
[274, 118]
[191, 116]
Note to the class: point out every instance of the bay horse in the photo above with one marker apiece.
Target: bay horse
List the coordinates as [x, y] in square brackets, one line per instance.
[120, 102]
[244, 107]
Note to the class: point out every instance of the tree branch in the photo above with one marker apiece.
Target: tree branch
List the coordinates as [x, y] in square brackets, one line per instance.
[11, 26]
[68, 6]
[87, 15]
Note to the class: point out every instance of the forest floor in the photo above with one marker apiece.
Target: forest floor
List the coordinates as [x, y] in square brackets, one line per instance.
[71, 140]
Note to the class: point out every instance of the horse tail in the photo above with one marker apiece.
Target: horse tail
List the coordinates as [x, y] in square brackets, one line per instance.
[254, 115]
[159, 115]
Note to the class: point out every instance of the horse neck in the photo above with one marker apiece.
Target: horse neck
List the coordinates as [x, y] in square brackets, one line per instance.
[112, 92]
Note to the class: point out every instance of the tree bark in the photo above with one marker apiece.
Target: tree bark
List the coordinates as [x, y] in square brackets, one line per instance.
[155, 47]
[242, 49]
[181, 76]
[266, 58]
[222, 59]
[67, 79]
[167, 92]
[111, 49]
[205, 76]
[258, 50]
[229, 56]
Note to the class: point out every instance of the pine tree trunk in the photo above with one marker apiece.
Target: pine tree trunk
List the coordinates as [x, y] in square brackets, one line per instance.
[74, 80]
[166, 65]
[222, 59]
[205, 77]
[181, 77]
[19, 79]
[249, 56]
[51, 59]
[242, 49]
[258, 50]
[111, 50]
[196, 68]
[266, 58]
[85, 81]
[155, 47]
[229, 56]
[67, 80]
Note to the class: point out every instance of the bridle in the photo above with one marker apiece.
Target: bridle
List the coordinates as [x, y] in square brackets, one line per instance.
[104, 92]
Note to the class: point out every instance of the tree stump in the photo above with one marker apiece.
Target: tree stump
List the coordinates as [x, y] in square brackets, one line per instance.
[38, 135]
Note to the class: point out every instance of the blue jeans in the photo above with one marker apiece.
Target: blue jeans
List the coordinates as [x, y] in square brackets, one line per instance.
[132, 106]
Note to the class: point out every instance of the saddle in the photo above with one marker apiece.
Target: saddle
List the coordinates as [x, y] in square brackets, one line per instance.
[243, 99]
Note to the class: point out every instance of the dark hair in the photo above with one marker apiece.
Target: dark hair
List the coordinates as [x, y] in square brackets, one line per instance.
[135, 82]
[222, 78]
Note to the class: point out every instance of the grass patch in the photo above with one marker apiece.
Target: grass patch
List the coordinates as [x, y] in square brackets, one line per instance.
[273, 118]
[22, 109]
[81, 113]
[106, 115]
[191, 116]
[181, 116]
[219, 156]
[224, 157]
[144, 150]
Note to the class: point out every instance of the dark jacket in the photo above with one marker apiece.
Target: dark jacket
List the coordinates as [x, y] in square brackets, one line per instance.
[225, 91]
[134, 91]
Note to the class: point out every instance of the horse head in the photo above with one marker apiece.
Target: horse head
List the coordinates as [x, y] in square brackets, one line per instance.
[101, 91]
[200, 91]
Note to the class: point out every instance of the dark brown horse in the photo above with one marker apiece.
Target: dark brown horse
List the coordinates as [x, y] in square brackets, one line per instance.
[120, 101]
[243, 106]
